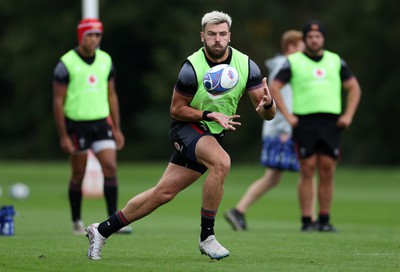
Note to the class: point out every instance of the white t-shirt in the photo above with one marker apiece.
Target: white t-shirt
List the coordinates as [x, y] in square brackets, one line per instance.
[278, 125]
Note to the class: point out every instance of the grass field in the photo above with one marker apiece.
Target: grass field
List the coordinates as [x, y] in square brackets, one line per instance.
[366, 211]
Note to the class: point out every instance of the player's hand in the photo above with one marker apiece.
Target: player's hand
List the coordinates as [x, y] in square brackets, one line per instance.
[293, 120]
[119, 139]
[267, 98]
[344, 121]
[66, 145]
[224, 120]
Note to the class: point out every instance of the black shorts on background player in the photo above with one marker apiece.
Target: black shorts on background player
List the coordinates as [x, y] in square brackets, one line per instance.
[84, 133]
[317, 133]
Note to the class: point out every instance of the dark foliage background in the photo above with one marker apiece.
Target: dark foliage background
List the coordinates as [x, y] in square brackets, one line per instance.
[148, 41]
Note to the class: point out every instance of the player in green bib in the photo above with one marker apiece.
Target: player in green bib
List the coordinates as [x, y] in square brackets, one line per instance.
[317, 77]
[277, 153]
[86, 113]
[199, 122]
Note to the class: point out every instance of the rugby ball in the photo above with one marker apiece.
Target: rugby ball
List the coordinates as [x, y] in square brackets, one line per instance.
[19, 191]
[220, 79]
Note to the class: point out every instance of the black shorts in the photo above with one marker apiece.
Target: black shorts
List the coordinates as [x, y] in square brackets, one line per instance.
[84, 133]
[317, 133]
[184, 137]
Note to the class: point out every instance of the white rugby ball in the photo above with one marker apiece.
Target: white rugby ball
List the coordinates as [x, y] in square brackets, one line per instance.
[19, 191]
[220, 79]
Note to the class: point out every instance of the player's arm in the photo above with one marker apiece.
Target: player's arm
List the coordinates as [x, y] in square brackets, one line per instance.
[275, 88]
[59, 94]
[351, 85]
[262, 101]
[60, 86]
[282, 78]
[183, 93]
[181, 111]
[184, 90]
[259, 93]
[115, 114]
[353, 99]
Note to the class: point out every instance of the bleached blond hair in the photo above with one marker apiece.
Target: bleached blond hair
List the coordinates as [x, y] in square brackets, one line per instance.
[216, 18]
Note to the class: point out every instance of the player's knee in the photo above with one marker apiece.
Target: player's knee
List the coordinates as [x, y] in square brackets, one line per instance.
[163, 195]
[166, 197]
[78, 175]
[307, 170]
[109, 168]
[327, 166]
[221, 167]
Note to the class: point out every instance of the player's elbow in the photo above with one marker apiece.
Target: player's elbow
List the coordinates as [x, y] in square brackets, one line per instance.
[173, 112]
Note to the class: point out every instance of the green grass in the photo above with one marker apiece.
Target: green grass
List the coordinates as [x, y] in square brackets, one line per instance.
[365, 210]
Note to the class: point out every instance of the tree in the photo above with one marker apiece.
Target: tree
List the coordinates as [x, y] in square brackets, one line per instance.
[148, 42]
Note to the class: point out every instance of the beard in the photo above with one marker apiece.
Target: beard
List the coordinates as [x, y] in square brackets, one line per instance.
[216, 51]
[314, 50]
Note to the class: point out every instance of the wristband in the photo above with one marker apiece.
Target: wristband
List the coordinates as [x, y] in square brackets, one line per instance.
[205, 113]
[267, 107]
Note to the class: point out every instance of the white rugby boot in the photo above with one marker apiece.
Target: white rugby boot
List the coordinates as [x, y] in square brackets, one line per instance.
[78, 228]
[212, 248]
[96, 242]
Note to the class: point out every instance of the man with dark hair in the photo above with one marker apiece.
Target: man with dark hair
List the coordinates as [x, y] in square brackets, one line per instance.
[317, 77]
[277, 152]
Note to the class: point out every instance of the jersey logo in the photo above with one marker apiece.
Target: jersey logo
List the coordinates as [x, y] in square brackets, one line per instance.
[92, 80]
[319, 73]
[178, 146]
[82, 142]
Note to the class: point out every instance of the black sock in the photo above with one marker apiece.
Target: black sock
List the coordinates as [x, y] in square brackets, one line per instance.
[114, 223]
[207, 223]
[75, 200]
[306, 220]
[324, 218]
[110, 194]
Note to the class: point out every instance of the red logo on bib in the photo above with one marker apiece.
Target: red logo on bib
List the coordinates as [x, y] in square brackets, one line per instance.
[92, 79]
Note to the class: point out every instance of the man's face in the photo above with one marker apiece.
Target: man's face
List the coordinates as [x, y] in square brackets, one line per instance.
[314, 41]
[90, 42]
[216, 39]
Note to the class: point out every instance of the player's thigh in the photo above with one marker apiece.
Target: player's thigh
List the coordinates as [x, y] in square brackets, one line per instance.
[210, 153]
[104, 149]
[108, 161]
[176, 178]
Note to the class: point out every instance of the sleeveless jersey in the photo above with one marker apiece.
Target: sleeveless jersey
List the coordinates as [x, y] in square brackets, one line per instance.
[225, 103]
[316, 85]
[87, 93]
